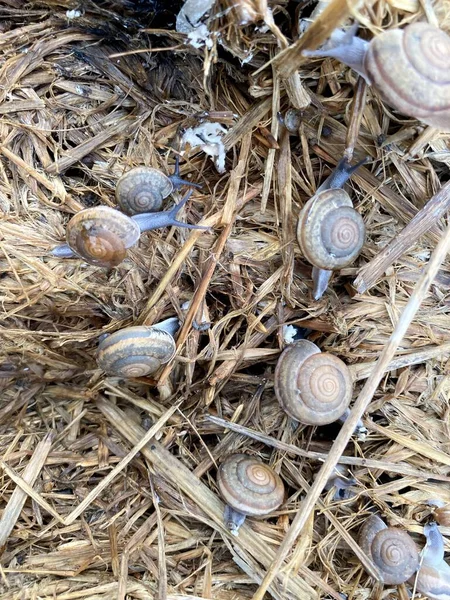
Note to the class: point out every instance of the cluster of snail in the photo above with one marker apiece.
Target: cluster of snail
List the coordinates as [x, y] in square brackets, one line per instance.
[102, 235]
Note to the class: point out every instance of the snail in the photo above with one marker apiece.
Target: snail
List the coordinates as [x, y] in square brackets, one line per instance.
[441, 511]
[408, 67]
[313, 387]
[139, 350]
[143, 189]
[249, 488]
[101, 235]
[330, 231]
[392, 550]
[433, 578]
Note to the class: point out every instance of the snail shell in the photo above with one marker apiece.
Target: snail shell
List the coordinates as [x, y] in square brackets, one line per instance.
[135, 351]
[313, 387]
[142, 190]
[330, 231]
[410, 69]
[249, 486]
[391, 549]
[442, 515]
[101, 235]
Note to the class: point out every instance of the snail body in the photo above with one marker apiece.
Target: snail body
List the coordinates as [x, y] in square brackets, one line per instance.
[330, 232]
[101, 235]
[391, 549]
[313, 387]
[249, 488]
[143, 189]
[433, 578]
[408, 67]
[137, 351]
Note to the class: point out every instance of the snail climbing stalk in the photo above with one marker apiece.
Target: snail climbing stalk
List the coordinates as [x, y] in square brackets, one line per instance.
[330, 231]
[408, 67]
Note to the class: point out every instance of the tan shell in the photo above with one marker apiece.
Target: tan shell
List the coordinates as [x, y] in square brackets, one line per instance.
[135, 351]
[142, 190]
[313, 387]
[330, 231]
[442, 515]
[101, 235]
[249, 486]
[392, 550]
[410, 69]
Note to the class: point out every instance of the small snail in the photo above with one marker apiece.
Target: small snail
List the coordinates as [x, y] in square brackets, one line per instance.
[391, 549]
[330, 231]
[433, 578]
[249, 488]
[143, 189]
[101, 235]
[313, 387]
[137, 351]
[408, 67]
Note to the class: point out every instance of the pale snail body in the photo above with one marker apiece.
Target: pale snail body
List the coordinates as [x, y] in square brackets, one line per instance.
[433, 577]
[137, 351]
[330, 232]
[408, 67]
[392, 550]
[101, 235]
[312, 387]
[249, 488]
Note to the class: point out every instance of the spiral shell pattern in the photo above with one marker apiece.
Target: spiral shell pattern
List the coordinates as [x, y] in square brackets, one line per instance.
[249, 486]
[101, 235]
[135, 351]
[410, 69]
[392, 550]
[142, 190]
[330, 231]
[313, 387]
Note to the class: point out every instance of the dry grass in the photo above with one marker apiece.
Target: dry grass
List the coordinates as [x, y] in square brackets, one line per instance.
[108, 486]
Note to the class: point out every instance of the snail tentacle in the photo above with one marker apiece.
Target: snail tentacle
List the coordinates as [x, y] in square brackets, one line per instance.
[177, 181]
[166, 218]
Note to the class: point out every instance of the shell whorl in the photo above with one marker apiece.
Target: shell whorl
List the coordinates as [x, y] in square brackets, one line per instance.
[135, 351]
[249, 486]
[392, 550]
[101, 235]
[409, 67]
[313, 387]
[142, 190]
[330, 231]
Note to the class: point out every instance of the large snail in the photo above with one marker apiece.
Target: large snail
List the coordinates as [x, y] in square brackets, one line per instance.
[433, 578]
[391, 549]
[143, 189]
[408, 67]
[101, 235]
[138, 351]
[313, 387]
[249, 488]
[330, 231]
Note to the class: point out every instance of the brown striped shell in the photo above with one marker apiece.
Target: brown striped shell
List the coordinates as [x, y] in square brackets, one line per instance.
[101, 235]
[330, 231]
[142, 190]
[392, 550]
[313, 387]
[135, 351]
[410, 69]
[249, 486]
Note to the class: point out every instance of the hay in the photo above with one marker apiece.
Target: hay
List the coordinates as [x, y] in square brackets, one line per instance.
[108, 485]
